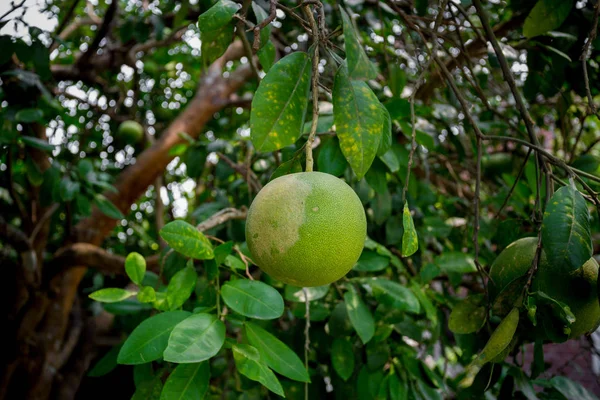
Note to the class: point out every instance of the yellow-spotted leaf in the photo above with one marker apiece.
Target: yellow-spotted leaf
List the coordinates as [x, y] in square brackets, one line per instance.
[410, 241]
[280, 103]
[359, 121]
[359, 65]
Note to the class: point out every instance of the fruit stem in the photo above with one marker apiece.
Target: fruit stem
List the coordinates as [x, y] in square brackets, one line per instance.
[306, 338]
[315, 87]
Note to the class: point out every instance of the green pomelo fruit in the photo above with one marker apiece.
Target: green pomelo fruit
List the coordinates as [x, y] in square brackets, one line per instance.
[130, 132]
[306, 229]
[577, 289]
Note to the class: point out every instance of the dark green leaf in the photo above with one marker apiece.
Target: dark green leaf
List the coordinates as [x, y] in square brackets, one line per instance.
[360, 315]
[330, 159]
[217, 16]
[289, 167]
[107, 207]
[29, 115]
[403, 298]
[106, 364]
[397, 80]
[342, 358]
[187, 382]
[359, 65]
[149, 339]
[253, 299]
[546, 16]
[398, 388]
[455, 262]
[111, 295]
[566, 230]
[376, 177]
[280, 103]
[468, 316]
[266, 56]
[370, 261]
[358, 120]
[276, 354]
[37, 143]
[248, 363]
[195, 339]
[187, 240]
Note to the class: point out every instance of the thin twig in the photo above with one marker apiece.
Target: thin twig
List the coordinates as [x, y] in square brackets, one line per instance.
[315, 89]
[221, 217]
[263, 24]
[306, 338]
[514, 185]
[420, 81]
[584, 58]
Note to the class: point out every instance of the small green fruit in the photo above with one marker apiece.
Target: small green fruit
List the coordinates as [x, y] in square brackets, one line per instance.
[130, 132]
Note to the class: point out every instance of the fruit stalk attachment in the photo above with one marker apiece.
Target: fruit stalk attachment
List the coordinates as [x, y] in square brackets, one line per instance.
[315, 87]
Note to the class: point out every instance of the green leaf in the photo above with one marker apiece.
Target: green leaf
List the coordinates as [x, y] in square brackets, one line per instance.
[331, 159]
[181, 286]
[566, 230]
[296, 294]
[410, 241]
[178, 149]
[195, 339]
[187, 382]
[147, 294]
[403, 298]
[276, 354]
[266, 56]
[280, 103]
[253, 299]
[148, 389]
[398, 388]
[570, 389]
[371, 261]
[359, 65]
[217, 16]
[107, 207]
[29, 115]
[342, 358]
[324, 124]
[546, 16]
[358, 120]
[247, 362]
[386, 135]
[214, 43]
[106, 364]
[468, 316]
[456, 262]
[390, 159]
[135, 267]
[111, 295]
[149, 339]
[68, 189]
[222, 251]
[289, 167]
[187, 240]
[397, 80]
[37, 143]
[216, 29]
[376, 177]
[360, 316]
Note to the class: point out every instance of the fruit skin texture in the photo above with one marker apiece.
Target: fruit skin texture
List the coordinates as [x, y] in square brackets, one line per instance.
[130, 132]
[578, 289]
[306, 229]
